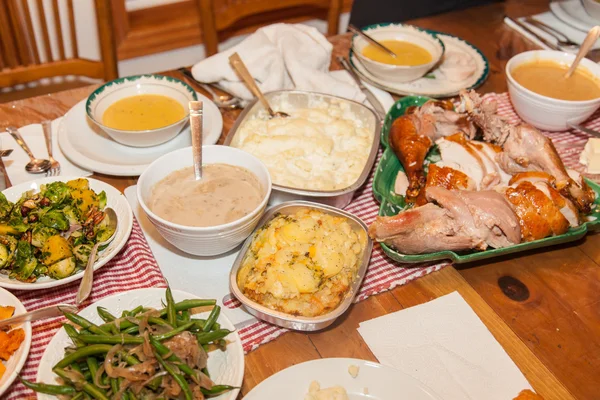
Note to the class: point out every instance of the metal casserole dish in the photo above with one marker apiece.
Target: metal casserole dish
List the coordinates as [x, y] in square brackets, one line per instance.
[296, 98]
[292, 321]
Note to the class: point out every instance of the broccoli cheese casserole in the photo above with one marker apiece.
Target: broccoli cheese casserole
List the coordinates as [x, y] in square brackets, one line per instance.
[302, 264]
[324, 146]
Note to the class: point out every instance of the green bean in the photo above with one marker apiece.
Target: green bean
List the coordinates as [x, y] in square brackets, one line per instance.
[114, 386]
[105, 314]
[136, 311]
[93, 366]
[207, 337]
[133, 330]
[185, 316]
[189, 304]
[159, 321]
[171, 312]
[111, 339]
[212, 318]
[87, 387]
[162, 350]
[85, 324]
[223, 343]
[84, 352]
[174, 332]
[132, 395]
[49, 389]
[176, 376]
[79, 395]
[72, 332]
[217, 390]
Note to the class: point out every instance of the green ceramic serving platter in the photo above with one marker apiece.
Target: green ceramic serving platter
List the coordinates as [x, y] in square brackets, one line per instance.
[392, 203]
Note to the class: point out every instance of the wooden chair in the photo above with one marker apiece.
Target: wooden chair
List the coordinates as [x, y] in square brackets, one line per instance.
[217, 16]
[24, 59]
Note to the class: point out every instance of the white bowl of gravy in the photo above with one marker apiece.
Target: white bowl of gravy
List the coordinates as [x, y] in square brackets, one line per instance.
[417, 50]
[142, 110]
[546, 100]
[210, 216]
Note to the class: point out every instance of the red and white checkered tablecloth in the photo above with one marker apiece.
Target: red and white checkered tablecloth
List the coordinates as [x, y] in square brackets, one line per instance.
[135, 267]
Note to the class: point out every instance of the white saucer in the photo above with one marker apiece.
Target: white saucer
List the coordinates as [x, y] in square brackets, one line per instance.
[434, 84]
[86, 145]
[572, 13]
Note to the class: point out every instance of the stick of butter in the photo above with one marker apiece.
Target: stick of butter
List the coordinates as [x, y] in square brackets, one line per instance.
[590, 156]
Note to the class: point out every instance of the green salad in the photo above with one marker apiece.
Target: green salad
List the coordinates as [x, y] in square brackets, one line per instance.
[51, 233]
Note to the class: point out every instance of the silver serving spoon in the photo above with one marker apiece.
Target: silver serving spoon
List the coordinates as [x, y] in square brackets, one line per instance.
[225, 101]
[196, 131]
[5, 153]
[85, 287]
[35, 165]
[239, 67]
[369, 39]
[36, 315]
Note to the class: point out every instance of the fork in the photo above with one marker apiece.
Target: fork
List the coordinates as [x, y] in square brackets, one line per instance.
[54, 165]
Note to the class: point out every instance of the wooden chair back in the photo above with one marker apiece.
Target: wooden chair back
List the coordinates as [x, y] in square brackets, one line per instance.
[219, 15]
[24, 59]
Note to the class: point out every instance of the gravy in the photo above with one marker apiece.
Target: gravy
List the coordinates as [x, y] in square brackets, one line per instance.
[409, 54]
[143, 112]
[546, 77]
[226, 193]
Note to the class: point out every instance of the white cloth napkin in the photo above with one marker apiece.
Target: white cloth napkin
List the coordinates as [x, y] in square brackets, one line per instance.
[550, 19]
[279, 56]
[34, 137]
[445, 345]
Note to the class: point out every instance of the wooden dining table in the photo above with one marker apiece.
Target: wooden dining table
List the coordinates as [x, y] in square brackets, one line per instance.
[542, 306]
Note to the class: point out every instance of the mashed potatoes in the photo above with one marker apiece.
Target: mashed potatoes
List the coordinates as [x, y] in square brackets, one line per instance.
[302, 264]
[324, 147]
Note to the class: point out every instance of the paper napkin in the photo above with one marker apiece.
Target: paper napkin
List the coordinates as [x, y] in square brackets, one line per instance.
[445, 345]
[34, 137]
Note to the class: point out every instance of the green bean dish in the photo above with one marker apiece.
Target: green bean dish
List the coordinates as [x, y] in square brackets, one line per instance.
[51, 233]
[144, 353]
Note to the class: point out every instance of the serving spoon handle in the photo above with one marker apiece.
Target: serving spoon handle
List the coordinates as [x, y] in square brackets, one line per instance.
[239, 67]
[586, 46]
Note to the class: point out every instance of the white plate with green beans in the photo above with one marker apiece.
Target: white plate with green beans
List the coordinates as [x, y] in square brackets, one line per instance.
[48, 226]
[185, 340]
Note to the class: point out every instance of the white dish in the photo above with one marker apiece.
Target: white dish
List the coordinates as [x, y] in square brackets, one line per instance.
[210, 240]
[592, 7]
[572, 13]
[545, 112]
[86, 145]
[408, 33]
[106, 95]
[435, 83]
[225, 367]
[381, 382]
[115, 199]
[16, 362]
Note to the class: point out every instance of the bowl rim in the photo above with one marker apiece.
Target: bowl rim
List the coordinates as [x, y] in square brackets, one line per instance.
[297, 322]
[537, 96]
[384, 25]
[130, 79]
[206, 229]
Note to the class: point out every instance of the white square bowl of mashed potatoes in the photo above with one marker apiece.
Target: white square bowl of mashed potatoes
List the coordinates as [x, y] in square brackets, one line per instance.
[323, 152]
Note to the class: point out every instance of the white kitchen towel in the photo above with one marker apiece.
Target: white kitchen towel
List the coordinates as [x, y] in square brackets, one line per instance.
[34, 137]
[444, 344]
[550, 19]
[279, 56]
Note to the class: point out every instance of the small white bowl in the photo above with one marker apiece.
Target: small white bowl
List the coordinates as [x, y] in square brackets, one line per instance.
[112, 91]
[544, 112]
[211, 240]
[407, 33]
[592, 8]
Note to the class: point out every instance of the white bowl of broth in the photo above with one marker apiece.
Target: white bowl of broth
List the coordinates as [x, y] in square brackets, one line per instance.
[141, 111]
[417, 50]
[210, 216]
[543, 97]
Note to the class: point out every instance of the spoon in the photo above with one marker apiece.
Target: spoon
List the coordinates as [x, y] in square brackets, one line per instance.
[239, 67]
[85, 288]
[36, 315]
[35, 165]
[196, 131]
[369, 39]
[586, 46]
[561, 39]
[5, 153]
[225, 100]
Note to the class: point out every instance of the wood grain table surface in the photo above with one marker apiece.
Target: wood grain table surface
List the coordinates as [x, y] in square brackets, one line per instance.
[542, 306]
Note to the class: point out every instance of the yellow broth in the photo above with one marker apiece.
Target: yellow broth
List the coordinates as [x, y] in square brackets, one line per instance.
[546, 77]
[408, 54]
[143, 112]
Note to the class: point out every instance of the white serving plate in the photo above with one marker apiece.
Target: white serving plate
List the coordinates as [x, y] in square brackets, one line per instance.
[572, 13]
[381, 382]
[88, 146]
[16, 362]
[115, 199]
[434, 84]
[225, 367]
